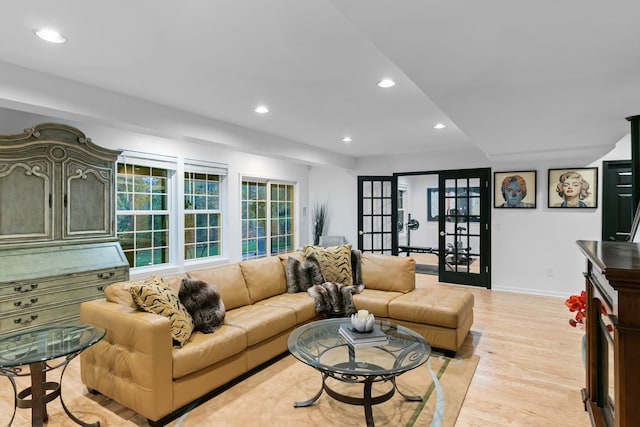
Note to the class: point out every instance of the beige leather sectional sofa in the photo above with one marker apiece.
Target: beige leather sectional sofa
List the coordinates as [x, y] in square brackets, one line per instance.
[137, 365]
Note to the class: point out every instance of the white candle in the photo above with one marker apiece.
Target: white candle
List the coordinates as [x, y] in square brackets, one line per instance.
[363, 314]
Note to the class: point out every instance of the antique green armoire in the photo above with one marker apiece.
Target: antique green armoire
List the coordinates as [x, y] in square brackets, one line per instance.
[57, 225]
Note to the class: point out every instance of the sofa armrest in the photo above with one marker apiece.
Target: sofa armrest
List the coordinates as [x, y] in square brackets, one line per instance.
[133, 363]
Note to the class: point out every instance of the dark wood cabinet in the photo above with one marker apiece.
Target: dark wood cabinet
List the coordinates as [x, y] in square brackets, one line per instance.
[612, 389]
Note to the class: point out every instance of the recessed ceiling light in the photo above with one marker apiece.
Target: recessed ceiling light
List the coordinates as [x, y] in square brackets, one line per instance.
[347, 139]
[50, 36]
[385, 83]
[439, 126]
[261, 109]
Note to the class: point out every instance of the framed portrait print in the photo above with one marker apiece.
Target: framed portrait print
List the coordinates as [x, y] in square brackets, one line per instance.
[514, 189]
[573, 188]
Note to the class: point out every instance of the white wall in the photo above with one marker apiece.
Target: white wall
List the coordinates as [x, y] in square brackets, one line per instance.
[532, 250]
[338, 189]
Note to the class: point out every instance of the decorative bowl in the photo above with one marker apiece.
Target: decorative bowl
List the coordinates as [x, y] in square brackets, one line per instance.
[362, 323]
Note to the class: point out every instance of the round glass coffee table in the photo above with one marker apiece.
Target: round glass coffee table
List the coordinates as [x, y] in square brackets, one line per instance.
[37, 348]
[320, 345]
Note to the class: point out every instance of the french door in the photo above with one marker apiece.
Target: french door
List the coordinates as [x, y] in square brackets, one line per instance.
[463, 214]
[377, 212]
[464, 227]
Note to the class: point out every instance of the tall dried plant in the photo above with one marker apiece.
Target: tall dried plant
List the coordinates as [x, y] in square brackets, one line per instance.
[319, 221]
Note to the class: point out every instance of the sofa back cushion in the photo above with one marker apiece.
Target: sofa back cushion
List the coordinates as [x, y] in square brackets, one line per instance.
[264, 278]
[174, 280]
[388, 273]
[284, 257]
[120, 292]
[230, 283]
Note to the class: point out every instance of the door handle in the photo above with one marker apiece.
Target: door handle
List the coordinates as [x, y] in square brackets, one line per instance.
[442, 233]
[362, 233]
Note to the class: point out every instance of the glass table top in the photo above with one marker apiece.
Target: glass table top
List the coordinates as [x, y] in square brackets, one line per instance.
[45, 343]
[319, 344]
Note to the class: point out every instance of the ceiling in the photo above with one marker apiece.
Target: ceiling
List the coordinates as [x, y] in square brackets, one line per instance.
[543, 79]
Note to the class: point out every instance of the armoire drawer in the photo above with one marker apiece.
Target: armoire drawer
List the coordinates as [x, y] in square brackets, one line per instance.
[37, 300]
[105, 277]
[48, 314]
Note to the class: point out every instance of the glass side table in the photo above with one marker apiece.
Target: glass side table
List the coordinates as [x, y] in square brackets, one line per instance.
[37, 348]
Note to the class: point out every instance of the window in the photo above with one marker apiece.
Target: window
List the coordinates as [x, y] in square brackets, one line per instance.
[265, 203]
[152, 198]
[281, 218]
[143, 214]
[202, 236]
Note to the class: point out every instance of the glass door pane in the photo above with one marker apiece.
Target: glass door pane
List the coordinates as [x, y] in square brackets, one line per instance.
[376, 214]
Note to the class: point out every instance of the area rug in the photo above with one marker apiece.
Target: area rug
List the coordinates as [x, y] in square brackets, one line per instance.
[266, 398]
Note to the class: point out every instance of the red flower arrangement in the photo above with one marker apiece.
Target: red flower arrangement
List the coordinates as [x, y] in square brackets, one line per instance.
[578, 304]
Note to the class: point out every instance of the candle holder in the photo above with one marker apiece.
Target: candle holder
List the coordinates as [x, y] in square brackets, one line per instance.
[362, 322]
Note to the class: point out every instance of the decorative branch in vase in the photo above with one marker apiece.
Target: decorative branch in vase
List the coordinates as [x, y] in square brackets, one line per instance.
[319, 220]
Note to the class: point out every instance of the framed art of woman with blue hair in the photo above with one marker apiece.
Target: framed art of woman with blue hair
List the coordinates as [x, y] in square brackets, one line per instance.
[515, 189]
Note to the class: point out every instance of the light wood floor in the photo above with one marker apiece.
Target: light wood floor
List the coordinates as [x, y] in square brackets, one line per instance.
[530, 372]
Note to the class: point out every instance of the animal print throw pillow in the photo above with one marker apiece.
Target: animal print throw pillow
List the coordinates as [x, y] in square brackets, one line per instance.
[203, 303]
[154, 297]
[335, 262]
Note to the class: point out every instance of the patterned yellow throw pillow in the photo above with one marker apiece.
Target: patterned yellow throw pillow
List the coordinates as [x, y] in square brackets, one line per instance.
[335, 262]
[154, 296]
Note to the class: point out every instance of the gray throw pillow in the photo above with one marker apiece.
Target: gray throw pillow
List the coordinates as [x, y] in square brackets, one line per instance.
[356, 266]
[301, 275]
[203, 303]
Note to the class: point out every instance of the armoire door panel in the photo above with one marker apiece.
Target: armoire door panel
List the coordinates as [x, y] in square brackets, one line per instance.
[88, 201]
[25, 200]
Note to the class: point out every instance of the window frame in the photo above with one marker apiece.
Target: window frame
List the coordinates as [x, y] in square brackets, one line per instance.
[210, 169]
[175, 189]
[268, 218]
[167, 164]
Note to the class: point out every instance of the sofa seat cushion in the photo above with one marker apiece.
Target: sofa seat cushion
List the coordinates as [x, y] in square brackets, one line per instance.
[260, 321]
[375, 301]
[204, 350]
[388, 273]
[264, 277]
[230, 283]
[439, 306]
[301, 303]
